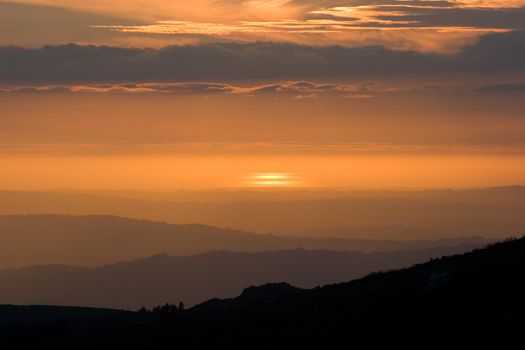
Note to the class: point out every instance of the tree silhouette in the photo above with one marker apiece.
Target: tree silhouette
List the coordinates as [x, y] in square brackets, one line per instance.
[166, 312]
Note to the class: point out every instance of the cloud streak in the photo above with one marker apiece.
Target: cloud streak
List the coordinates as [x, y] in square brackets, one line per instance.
[260, 149]
[291, 89]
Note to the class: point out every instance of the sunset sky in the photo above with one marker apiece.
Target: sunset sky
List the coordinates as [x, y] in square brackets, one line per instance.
[100, 94]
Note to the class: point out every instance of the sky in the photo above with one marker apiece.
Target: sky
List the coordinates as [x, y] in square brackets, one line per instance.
[430, 26]
[205, 94]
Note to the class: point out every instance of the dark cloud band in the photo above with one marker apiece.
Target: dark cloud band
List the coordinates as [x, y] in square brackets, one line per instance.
[494, 53]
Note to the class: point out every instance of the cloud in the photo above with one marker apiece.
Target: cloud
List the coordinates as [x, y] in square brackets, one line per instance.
[505, 18]
[293, 89]
[392, 23]
[502, 53]
[329, 17]
[299, 90]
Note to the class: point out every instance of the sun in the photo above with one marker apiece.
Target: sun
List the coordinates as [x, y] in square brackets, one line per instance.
[272, 180]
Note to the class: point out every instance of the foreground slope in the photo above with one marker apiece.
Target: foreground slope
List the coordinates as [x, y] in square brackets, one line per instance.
[472, 300]
[468, 301]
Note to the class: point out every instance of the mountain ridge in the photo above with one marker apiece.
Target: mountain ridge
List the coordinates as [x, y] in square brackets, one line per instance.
[193, 279]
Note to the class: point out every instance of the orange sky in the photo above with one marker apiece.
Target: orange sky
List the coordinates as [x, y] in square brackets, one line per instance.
[52, 141]
[158, 94]
[204, 172]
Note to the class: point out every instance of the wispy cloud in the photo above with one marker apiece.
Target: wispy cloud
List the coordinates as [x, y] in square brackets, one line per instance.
[290, 89]
[393, 23]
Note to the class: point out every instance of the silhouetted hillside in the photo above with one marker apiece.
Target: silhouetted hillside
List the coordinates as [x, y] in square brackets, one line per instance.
[265, 294]
[494, 212]
[95, 240]
[470, 301]
[194, 279]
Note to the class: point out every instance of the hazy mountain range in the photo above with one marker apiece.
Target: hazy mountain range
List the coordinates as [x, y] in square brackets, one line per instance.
[194, 279]
[493, 212]
[96, 240]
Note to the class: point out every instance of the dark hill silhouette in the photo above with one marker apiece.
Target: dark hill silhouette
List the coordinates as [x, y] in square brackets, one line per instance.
[493, 212]
[470, 301]
[194, 279]
[265, 294]
[473, 300]
[96, 240]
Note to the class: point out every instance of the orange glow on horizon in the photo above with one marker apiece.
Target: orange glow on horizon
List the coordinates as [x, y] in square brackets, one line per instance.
[201, 173]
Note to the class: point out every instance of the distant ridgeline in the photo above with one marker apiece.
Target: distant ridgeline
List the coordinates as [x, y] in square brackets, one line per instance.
[401, 215]
[71, 240]
[470, 301]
